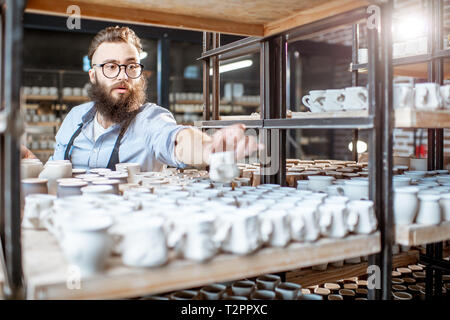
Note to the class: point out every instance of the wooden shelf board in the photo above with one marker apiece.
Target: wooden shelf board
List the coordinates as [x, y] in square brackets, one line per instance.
[309, 277]
[262, 17]
[414, 118]
[41, 97]
[46, 270]
[75, 99]
[416, 234]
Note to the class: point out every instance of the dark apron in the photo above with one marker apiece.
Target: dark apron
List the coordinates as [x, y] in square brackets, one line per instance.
[114, 158]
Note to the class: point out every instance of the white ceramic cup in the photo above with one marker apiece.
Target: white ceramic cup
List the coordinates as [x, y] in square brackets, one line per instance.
[54, 170]
[278, 222]
[334, 100]
[196, 237]
[356, 98]
[403, 96]
[244, 234]
[405, 205]
[428, 96]
[445, 206]
[30, 169]
[86, 243]
[445, 95]
[97, 189]
[308, 209]
[319, 183]
[37, 208]
[144, 243]
[361, 216]
[315, 100]
[333, 220]
[429, 209]
[356, 189]
[222, 167]
[363, 55]
[130, 168]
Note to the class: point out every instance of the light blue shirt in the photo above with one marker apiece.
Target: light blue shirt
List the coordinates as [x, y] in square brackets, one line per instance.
[149, 139]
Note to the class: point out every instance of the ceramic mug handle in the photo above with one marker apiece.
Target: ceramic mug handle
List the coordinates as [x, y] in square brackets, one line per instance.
[266, 230]
[424, 97]
[222, 234]
[352, 220]
[298, 226]
[306, 101]
[49, 224]
[326, 218]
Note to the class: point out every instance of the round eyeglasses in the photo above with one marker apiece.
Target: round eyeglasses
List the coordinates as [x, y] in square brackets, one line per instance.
[112, 69]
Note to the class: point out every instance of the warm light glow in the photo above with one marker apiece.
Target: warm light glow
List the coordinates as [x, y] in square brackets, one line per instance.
[411, 27]
[361, 146]
[233, 66]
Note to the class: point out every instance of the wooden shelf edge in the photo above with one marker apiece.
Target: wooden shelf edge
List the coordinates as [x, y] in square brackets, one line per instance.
[120, 281]
[415, 234]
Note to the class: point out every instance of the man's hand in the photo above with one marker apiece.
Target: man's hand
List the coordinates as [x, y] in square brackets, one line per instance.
[25, 153]
[193, 147]
[232, 138]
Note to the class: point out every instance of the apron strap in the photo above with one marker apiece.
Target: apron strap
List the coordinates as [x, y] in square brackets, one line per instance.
[70, 144]
[114, 158]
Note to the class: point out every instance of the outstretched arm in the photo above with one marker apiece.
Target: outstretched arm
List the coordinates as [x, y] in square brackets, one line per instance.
[193, 147]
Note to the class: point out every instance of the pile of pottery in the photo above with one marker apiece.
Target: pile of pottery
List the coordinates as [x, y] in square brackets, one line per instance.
[195, 219]
[297, 171]
[408, 283]
[421, 197]
[265, 287]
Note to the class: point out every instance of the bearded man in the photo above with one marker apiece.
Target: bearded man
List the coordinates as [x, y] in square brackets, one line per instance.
[118, 125]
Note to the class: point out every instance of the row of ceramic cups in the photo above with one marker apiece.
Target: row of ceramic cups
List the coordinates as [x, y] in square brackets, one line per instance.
[425, 202]
[195, 235]
[427, 96]
[44, 91]
[351, 98]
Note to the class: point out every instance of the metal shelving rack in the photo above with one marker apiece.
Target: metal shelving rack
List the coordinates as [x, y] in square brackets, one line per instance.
[272, 48]
[273, 51]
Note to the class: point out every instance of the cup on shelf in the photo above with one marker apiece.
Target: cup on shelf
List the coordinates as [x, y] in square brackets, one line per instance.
[35, 90]
[85, 242]
[403, 96]
[333, 220]
[67, 91]
[53, 91]
[356, 98]
[361, 216]
[77, 91]
[334, 100]
[44, 91]
[429, 209]
[405, 205]
[445, 95]
[315, 100]
[36, 208]
[428, 96]
[27, 90]
[144, 242]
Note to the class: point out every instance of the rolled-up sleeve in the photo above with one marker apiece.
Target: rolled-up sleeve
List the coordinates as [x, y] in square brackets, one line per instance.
[162, 134]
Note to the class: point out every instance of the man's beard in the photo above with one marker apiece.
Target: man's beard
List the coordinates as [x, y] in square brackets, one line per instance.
[121, 108]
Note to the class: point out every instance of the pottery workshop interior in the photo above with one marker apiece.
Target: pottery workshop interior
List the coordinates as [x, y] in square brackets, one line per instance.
[225, 150]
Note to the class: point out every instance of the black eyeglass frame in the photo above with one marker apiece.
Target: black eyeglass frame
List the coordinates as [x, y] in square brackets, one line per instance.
[120, 68]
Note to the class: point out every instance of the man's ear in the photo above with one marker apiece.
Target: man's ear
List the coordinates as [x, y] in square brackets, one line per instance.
[92, 75]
